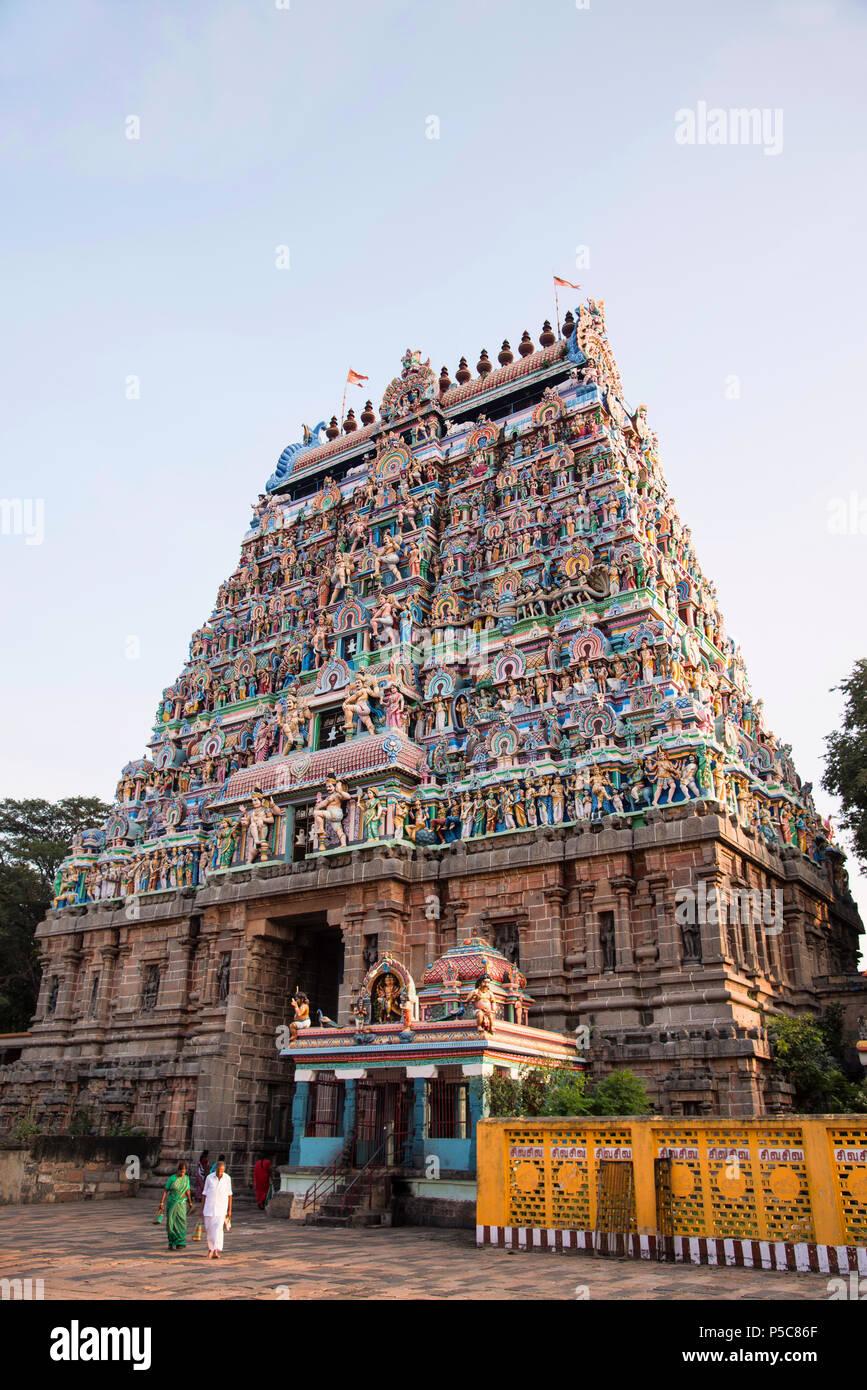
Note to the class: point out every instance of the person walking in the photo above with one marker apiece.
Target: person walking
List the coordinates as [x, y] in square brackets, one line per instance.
[174, 1203]
[202, 1170]
[262, 1181]
[217, 1207]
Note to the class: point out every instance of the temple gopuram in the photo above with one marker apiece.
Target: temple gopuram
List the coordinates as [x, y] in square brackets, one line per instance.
[468, 680]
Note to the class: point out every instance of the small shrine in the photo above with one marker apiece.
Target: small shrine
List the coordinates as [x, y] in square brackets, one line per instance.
[400, 1088]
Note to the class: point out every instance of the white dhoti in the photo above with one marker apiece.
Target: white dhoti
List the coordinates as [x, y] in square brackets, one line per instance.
[214, 1229]
[217, 1192]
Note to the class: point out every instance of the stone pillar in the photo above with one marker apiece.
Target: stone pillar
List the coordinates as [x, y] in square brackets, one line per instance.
[419, 1076]
[580, 962]
[714, 943]
[796, 953]
[299, 1114]
[392, 929]
[555, 896]
[418, 1135]
[289, 836]
[108, 957]
[451, 925]
[354, 969]
[350, 1106]
[623, 889]
[478, 1105]
[70, 961]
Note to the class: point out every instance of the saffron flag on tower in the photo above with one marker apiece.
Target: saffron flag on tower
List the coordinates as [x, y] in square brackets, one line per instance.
[355, 378]
[566, 284]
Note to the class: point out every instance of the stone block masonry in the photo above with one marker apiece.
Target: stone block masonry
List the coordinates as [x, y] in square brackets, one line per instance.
[200, 1066]
[71, 1168]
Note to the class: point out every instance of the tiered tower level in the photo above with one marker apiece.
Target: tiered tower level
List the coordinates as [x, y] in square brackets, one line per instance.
[468, 678]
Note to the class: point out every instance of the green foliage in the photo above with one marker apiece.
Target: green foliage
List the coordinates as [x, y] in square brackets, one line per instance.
[38, 833]
[620, 1093]
[566, 1093]
[558, 1090]
[846, 758]
[22, 907]
[830, 1025]
[26, 1128]
[82, 1121]
[808, 1052]
[35, 835]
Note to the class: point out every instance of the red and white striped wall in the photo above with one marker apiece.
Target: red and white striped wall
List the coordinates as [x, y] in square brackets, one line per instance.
[803, 1256]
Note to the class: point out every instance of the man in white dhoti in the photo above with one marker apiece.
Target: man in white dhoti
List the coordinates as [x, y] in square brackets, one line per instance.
[216, 1207]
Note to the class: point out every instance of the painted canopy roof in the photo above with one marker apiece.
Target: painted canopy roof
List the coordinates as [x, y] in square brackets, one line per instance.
[472, 959]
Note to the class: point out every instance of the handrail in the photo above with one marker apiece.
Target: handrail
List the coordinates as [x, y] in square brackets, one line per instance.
[366, 1172]
[327, 1179]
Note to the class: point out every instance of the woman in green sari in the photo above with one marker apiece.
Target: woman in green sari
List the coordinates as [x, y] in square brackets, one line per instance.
[174, 1203]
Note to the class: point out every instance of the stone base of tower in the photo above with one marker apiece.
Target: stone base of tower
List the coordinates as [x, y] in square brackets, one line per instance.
[717, 1070]
[167, 1020]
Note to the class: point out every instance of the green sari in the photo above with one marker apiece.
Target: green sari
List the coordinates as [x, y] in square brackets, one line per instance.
[177, 1189]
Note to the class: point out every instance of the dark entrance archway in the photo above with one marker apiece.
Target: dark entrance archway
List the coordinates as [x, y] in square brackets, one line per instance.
[314, 961]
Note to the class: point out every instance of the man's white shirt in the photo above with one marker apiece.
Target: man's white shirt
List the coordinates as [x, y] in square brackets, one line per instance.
[217, 1192]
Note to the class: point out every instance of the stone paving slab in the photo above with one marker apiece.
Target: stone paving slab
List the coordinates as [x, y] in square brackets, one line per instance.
[112, 1250]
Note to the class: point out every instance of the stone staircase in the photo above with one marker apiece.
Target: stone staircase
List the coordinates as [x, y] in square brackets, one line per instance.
[355, 1201]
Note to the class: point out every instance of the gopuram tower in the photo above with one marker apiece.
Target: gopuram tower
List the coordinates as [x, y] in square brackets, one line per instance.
[467, 679]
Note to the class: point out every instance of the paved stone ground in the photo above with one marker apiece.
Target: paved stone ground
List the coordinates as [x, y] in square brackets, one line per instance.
[112, 1250]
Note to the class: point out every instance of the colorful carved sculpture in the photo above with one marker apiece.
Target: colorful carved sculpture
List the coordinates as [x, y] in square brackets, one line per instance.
[554, 652]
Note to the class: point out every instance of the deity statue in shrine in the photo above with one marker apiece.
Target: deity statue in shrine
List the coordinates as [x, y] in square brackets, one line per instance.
[357, 703]
[484, 1005]
[664, 776]
[688, 773]
[385, 999]
[395, 707]
[264, 741]
[328, 812]
[341, 576]
[257, 822]
[607, 942]
[227, 836]
[382, 620]
[388, 557]
[372, 810]
[293, 720]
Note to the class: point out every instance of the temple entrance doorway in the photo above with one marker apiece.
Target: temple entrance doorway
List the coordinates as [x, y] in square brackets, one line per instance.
[315, 962]
[383, 1123]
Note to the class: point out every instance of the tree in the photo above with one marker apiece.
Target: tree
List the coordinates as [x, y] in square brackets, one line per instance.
[22, 907]
[846, 758]
[807, 1051]
[35, 835]
[38, 833]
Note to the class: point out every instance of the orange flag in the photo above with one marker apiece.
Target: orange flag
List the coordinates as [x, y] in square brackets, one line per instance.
[566, 284]
[355, 378]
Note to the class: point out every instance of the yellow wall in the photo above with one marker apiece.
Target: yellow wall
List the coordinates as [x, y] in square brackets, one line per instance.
[803, 1178]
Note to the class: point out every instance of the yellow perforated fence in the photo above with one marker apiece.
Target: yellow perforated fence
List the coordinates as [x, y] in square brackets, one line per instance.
[799, 1179]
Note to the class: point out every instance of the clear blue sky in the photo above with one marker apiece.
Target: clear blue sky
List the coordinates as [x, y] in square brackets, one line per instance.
[306, 127]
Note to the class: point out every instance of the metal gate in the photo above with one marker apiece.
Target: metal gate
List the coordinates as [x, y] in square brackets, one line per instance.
[383, 1123]
[614, 1206]
[664, 1209]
